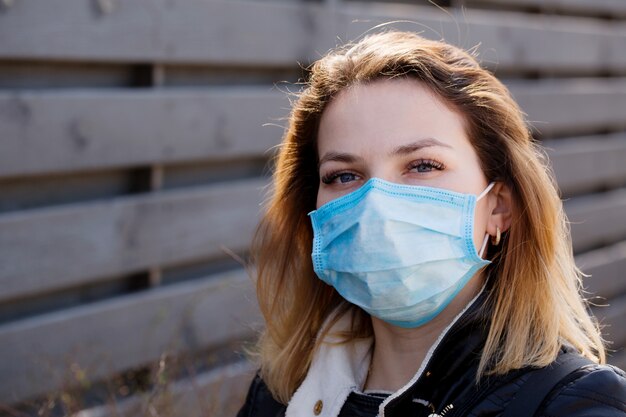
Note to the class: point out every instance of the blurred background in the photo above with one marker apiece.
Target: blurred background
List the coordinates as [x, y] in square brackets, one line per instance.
[134, 146]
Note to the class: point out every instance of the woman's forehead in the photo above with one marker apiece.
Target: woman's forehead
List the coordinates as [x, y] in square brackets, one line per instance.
[387, 114]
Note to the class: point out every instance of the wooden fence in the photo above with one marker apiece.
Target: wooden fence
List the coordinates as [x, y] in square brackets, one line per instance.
[134, 138]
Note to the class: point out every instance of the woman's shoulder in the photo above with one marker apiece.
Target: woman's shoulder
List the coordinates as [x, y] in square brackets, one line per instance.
[592, 390]
[260, 402]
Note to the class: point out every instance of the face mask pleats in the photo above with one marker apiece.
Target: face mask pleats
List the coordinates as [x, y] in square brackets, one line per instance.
[400, 252]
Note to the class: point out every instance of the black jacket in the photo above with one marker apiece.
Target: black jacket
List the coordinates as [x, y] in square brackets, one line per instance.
[449, 378]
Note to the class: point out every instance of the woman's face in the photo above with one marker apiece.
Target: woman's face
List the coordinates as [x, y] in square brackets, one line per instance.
[397, 130]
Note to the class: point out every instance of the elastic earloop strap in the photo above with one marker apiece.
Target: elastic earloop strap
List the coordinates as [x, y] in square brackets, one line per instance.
[482, 248]
[489, 187]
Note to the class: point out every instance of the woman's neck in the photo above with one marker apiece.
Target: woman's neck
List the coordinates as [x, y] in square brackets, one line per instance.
[398, 353]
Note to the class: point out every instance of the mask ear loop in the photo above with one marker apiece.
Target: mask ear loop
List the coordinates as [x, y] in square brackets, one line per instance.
[486, 238]
[484, 193]
[484, 245]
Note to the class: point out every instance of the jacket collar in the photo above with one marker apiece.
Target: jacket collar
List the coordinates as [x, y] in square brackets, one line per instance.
[338, 369]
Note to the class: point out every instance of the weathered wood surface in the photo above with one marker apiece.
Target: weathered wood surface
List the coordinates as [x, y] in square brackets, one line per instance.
[615, 8]
[605, 288]
[506, 41]
[111, 336]
[73, 131]
[96, 130]
[93, 129]
[597, 219]
[606, 267]
[588, 163]
[611, 318]
[279, 34]
[46, 249]
[216, 32]
[572, 106]
[220, 392]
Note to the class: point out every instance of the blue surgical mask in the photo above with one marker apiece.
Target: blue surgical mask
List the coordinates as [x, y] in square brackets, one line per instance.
[400, 252]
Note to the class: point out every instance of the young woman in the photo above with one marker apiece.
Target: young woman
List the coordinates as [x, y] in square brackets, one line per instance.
[414, 258]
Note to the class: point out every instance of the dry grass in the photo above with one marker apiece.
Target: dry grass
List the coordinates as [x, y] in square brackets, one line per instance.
[174, 386]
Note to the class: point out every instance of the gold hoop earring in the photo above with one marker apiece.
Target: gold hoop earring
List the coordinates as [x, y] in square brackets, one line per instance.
[496, 242]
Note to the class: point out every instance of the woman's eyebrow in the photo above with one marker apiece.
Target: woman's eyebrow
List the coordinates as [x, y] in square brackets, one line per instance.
[339, 157]
[400, 150]
[417, 145]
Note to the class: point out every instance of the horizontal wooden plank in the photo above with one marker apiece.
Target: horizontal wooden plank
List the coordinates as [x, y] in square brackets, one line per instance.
[606, 267]
[597, 219]
[69, 131]
[612, 318]
[588, 163]
[108, 337]
[570, 106]
[46, 249]
[281, 34]
[97, 130]
[616, 8]
[220, 392]
[216, 32]
[504, 40]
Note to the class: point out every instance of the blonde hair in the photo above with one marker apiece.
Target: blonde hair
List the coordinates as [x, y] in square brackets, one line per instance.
[535, 300]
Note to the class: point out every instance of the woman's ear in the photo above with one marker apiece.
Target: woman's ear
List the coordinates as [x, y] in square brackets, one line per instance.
[501, 206]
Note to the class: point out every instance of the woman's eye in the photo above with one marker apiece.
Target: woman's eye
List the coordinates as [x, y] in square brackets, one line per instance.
[341, 177]
[426, 165]
[347, 177]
